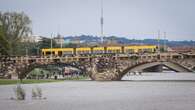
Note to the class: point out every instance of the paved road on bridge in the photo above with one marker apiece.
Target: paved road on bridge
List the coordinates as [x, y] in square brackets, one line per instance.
[92, 95]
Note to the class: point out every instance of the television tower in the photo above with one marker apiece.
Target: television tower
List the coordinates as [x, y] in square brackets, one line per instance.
[159, 41]
[102, 23]
[51, 52]
[165, 47]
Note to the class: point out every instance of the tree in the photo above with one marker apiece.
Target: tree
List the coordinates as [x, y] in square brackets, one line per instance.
[4, 45]
[46, 43]
[14, 27]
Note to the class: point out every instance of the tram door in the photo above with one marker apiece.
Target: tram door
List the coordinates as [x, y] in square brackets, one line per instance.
[60, 53]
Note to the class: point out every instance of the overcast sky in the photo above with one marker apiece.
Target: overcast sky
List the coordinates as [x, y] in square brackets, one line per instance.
[126, 18]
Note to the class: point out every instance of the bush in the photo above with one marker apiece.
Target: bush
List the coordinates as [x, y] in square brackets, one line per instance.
[37, 93]
[34, 94]
[20, 92]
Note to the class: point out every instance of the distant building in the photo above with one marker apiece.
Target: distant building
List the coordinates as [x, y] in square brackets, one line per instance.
[59, 39]
[182, 49]
[32, 39]
[76, 40]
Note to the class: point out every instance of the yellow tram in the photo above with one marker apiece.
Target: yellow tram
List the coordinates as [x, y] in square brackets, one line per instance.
[129, 49]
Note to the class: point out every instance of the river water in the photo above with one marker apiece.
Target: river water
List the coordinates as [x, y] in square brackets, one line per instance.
[97, 95]
[161, 76]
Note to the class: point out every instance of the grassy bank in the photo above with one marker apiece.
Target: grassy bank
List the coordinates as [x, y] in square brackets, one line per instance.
[31, 81]
[26, 81]
[76, 78]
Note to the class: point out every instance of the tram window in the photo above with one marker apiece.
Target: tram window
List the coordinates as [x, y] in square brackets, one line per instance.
[48, 53]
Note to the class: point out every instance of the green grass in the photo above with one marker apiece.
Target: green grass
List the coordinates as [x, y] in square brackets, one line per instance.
[31, 81]
[26, 81]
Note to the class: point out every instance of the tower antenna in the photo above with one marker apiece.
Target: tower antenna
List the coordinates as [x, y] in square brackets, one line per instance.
[102, 23]
[165, 49]
[158, 41]
[51, 52]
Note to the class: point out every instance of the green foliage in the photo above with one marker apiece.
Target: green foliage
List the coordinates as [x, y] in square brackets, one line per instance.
[4, 45]
[24, 69]
[14, 26]
[28, 48]
[38, 73]
[71, 45]
[46, 43]
[34, 93]
[37, 93]
[20, 92]
[26, 81]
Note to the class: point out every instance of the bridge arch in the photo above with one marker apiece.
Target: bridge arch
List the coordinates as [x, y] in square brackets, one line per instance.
[26, 69]
[142, 66]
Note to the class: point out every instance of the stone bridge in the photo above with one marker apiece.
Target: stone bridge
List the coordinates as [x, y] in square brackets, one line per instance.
[14, 69]
[102, 67]
[122, 67]
[157, 67]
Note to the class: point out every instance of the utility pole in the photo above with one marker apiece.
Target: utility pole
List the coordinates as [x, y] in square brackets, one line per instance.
[102, 23]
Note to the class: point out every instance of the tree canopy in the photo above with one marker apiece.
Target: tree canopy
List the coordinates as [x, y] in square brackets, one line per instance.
[14, 26]
[4, 45]
[46, 43]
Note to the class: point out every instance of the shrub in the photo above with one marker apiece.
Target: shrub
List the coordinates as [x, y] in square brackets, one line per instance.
[34, 94]
[20, 92]
[37, 93]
